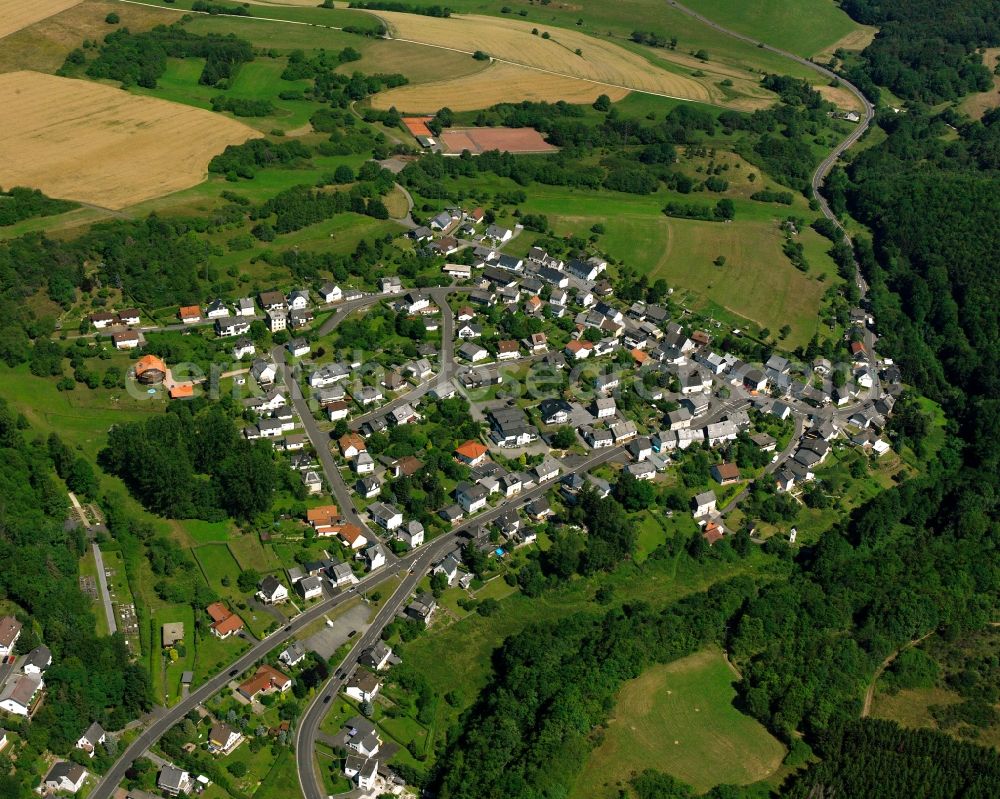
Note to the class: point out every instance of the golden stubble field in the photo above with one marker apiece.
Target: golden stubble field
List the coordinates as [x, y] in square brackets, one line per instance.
[498, 83]
[100, 145]
[17, 14]
[602, 65]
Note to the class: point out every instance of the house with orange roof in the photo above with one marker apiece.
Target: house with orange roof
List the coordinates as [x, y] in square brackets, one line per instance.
[579, 349]
[266, 681]
[471, 453]
[182, 391]
[712, 533]
[189, 314]
[351, 445]
[224, 621]
[228, 626]
[351, 535]
[639, 357]
[323, 516]
[150, 370]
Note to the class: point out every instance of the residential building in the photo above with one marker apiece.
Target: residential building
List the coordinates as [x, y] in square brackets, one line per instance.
[189, 314]
[704, 504]
[510, 427]
[10, 631]
[277, 320]
[363, 686]
[643, 470]
[272, 301]
[377, 656]
[271, 591]
[266, 680]
[310, 587]
[65, 776]
[126, 340]
[385, 515]
[603, 407]
[375, 557]
[597, 438]
[174, 781]
[223, 739]
[412, 534]
[91, 739]
[18, 693]
[471, 453]
[330, 292]
[422, 608]
[37, 660]
[471, 496]
[293, 654]
[725, 473]
[245, 307]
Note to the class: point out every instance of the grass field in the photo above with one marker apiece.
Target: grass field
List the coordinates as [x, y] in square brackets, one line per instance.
[250, 553]
[511, 40]
[282, 780]
[679, 718]
[17, 14]
[218, 564]
[102, 146]
[617, 20]
[804, 27]
[501, 83]
[44, 45]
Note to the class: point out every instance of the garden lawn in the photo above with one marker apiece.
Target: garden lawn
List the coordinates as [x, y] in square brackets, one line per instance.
[250, 553]
[679, 718]
[282, 780]
[170, 688]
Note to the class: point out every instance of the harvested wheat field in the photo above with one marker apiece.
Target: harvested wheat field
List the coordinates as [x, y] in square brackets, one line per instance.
[83, 141]
[500, 83]
[506, 140]
[17, 14]
[512, 41]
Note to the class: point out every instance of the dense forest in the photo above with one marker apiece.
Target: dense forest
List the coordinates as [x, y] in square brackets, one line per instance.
[926, 49]
[91, 678]
[193, 462]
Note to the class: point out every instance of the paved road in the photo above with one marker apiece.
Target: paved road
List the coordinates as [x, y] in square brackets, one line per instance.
[102, 583]
[106, 786]
[308, 729]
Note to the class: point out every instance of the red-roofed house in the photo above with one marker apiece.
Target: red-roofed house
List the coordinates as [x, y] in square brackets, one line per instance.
[471, 453]
[267, 680]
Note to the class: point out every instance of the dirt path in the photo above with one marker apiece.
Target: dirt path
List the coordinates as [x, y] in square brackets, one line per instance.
[866, 709]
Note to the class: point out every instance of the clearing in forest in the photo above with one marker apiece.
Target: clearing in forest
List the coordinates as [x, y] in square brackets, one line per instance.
[679, 718]
[96, 144]
[17, 14]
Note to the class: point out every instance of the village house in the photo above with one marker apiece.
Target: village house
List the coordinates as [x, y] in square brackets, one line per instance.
[37, 660]
[271, 591]
[412, 534]
[704, 504]
[597, 438]
[126, 340]
[471, 453]
[471, 496]
[375, 557]
[377, 656]
[385, 515]
[174, 781]
[507, 350]
[245, 307]
[224, 622]
[189, 314]
[351, 444]
[91, 739]
[603, 407]
[363, 686]
[64, 776]
[244, 347]
[266, 680]
[310, 587]
[223, 739]
[19, 692]
[578, 350]
[725, 473]
[272, 301]
[10, 631]
[277, 320]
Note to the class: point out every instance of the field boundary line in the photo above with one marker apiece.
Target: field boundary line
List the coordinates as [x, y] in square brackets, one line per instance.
[390, 38]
